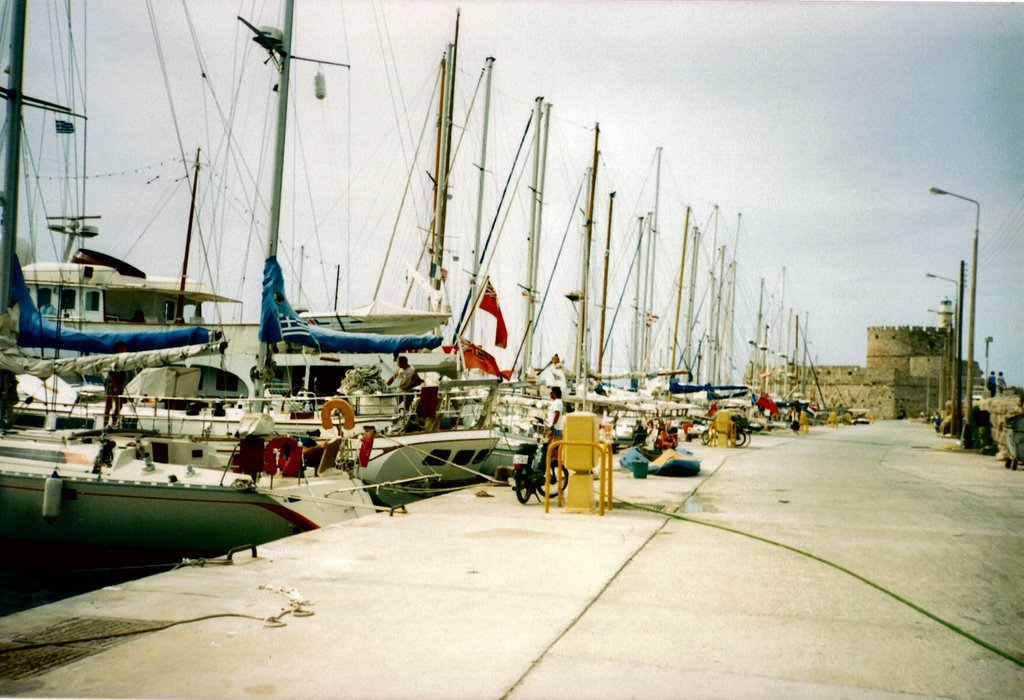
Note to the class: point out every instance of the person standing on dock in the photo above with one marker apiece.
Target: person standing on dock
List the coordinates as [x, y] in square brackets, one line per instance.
[556, 413]
[1000, 384]
[555, 421]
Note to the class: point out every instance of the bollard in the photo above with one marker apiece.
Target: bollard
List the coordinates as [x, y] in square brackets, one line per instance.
[725, 429]
[580, 460]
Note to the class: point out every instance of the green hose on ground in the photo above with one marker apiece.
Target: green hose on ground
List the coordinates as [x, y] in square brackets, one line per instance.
[962, 632]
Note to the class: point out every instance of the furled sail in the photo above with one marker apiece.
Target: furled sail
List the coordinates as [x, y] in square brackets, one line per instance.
[35, 331]
[96, 364]
[279, 322]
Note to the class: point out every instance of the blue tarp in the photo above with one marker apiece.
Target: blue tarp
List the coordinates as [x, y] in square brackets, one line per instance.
[714, 392]
[35, 331]
[279, 322]
[682, 463]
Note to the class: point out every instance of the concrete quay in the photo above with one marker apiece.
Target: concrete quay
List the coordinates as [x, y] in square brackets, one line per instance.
[472, 595]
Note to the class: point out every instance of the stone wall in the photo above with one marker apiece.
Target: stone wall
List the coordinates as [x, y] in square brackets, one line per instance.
[882, 391]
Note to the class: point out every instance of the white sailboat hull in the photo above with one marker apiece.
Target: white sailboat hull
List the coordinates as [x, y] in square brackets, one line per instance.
[162, 510]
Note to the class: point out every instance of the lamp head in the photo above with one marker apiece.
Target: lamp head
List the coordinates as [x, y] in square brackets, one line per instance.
[936, 190]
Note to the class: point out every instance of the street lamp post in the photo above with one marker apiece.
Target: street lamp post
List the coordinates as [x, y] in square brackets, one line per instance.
[967, 439]
[988, 341]
[954, 352]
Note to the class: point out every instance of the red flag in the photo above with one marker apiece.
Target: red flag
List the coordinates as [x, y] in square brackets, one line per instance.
[489, 303]
[478, 358]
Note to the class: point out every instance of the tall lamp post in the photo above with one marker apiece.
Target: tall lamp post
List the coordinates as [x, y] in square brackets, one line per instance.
[967, 439]
[988, 341]
[954, 351]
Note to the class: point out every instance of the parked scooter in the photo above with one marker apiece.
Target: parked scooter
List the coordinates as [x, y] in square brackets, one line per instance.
[528, 475]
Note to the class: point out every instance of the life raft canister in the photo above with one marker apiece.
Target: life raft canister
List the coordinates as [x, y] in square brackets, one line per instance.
[344, 407]
[366, 446]
[282, 453]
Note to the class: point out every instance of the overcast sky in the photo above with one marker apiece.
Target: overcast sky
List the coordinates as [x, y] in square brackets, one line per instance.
[816, 128]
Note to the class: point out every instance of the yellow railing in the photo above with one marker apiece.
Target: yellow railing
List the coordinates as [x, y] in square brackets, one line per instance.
[604, 466]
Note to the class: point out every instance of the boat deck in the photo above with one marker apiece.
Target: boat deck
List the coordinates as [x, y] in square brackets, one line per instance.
[472, 595]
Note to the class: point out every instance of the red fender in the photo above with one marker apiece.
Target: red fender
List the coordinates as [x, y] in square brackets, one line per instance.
[365, 447]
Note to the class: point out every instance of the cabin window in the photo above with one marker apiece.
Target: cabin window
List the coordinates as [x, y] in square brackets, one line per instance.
[92, 301]
[226, 381]
[169, 308]
[68, 300]
[44, 300]
[463, 457]
[480, 456]
[436, 458]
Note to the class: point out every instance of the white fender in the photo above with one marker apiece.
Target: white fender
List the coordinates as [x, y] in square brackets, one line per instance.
[51, 496]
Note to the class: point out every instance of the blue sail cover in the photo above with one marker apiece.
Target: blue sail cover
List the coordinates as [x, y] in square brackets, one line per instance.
[279, 322]
[34, 331]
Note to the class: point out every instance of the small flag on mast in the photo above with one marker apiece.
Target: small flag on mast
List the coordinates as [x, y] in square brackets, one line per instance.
[64, 127]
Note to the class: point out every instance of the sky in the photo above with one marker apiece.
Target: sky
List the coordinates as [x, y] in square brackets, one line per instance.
[803, 136]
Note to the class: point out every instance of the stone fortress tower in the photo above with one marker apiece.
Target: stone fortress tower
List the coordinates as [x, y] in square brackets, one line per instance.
[903, 374]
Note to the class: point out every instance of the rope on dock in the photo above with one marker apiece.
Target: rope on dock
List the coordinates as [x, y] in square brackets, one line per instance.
[297, 606]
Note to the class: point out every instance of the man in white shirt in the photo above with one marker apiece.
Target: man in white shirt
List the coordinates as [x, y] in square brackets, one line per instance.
[406, 378]
[556, 413]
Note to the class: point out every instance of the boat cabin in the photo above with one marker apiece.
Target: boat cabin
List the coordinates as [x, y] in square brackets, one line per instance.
[98, 288]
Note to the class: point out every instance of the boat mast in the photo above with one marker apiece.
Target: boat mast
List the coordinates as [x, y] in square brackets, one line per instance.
[488, 68]
[638, 307]
[446, 156]
[604, 285]
[440, 178]
[757, 338]
[581, 330]
[688, 353]
[532, 243]
[284, 54]
[649, 284]
[679, 289]
[179, 314]
[730, 308]
[12, 169]
[533, 254]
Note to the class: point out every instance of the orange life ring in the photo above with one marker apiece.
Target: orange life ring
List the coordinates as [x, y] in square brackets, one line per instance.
[347, 414]
[282, 453]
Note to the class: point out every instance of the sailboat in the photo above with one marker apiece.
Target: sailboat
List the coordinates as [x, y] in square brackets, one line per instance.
[111, 498]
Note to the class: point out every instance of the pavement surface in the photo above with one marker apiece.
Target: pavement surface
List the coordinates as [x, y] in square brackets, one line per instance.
[472, 595]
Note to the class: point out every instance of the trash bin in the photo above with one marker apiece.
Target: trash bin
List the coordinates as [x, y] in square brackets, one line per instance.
[640, 469]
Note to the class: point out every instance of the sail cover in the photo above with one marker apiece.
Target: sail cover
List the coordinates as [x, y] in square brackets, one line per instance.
[279, 322]
[34, 331]
[11, 360]
[713, 392]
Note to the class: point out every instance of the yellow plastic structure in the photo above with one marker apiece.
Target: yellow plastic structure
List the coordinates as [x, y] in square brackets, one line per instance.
[833, 420]
[580, 452]
[805, 422]
[725, 429]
